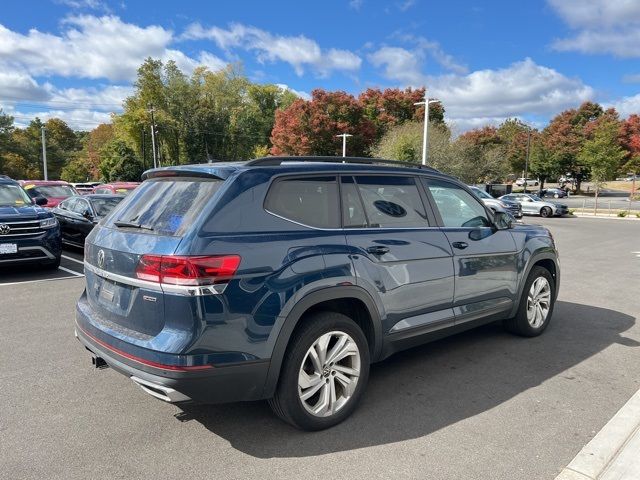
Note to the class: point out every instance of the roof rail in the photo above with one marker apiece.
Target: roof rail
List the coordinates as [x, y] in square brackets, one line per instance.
[274, 161]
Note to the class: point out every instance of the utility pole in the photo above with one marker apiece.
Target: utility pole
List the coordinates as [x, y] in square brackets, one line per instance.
[44, 152]
[153, 135]
[425, 133]
[144, 150]
[526, 160]
[344, 142]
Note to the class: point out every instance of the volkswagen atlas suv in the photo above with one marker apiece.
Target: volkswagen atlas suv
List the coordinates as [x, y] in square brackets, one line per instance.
[284, 278]
[28, 232]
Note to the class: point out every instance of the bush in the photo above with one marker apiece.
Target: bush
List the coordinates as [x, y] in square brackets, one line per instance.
[638, 215]
[622, 213]
[572, 211]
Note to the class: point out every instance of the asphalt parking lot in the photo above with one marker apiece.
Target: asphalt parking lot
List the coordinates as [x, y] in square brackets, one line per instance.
[483, 404]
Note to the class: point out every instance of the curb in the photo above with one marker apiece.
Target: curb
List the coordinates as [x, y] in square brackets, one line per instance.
[610, 217]
[613, 452]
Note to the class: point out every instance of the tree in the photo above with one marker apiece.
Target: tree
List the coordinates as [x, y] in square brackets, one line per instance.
[310, 127]
[630, 140]
[6, 130]
[119, 162]
[514, 135]
[602, 153]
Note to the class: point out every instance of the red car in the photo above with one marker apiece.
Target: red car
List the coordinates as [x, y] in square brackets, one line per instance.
[53, 190]
[116, 188]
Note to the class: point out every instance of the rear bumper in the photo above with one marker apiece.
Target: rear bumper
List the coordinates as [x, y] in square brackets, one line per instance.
[230, 383]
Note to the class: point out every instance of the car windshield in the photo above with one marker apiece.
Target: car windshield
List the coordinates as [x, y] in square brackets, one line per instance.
[13, 195]
[52, 191]
[103, 206]
[535, 198]
[481, 193]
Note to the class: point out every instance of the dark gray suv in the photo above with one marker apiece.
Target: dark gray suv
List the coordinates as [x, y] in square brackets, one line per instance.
[284, 278]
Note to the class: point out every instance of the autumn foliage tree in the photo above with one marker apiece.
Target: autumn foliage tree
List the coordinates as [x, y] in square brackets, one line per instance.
[310, 127]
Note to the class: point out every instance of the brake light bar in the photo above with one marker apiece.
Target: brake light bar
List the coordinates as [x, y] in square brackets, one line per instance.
[187, 270]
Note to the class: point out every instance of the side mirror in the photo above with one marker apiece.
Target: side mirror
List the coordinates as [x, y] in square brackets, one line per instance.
[503, 220]
[87, 214]
[40, 200]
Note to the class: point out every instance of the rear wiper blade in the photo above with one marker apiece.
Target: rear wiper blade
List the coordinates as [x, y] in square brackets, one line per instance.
[132, 225]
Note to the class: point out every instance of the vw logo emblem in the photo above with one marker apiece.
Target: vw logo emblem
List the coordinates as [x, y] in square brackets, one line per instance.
[101, 258]
[4, 229]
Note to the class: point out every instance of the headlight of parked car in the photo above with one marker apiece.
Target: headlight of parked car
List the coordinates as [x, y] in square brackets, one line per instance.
[48, 222]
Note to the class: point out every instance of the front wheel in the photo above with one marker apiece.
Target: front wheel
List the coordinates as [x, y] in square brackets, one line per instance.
[536, 305]
[545, 212]
[325, 373]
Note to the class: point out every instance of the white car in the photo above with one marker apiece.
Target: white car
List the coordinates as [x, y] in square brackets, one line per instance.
[531, 182]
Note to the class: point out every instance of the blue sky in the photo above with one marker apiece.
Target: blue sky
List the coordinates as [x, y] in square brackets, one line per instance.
[485, 60]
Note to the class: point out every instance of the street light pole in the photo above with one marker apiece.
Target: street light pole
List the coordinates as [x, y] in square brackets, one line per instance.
[344, 142]
[153, 136]
[44, 153]
[526, 160]
[425, 133]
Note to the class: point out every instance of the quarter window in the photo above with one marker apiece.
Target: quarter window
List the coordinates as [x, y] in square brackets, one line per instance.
[457, 207]
[391, 201]
[352, 210]
[311, 201]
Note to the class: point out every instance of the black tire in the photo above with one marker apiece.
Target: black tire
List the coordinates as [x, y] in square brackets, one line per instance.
[535, 184]
[519, 325]
[52, 265]
[286, 403]
[545, 212]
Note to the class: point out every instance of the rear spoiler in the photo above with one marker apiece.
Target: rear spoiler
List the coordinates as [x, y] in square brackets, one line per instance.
[186, 171]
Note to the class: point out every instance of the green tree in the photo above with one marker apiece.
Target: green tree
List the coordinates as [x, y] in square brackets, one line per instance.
[602, 153]
[119, 162]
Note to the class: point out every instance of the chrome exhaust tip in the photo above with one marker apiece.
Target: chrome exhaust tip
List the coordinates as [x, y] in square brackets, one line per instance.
[161, 392]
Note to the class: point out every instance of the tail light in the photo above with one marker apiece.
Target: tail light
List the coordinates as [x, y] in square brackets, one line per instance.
[187, 270]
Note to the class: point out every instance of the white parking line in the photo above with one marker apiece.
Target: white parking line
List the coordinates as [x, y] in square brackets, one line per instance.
[73, 259]
[41, 280]
[71, 271]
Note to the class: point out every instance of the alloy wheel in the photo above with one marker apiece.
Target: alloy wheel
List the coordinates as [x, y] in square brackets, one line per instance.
[329, 374]
[538, 302]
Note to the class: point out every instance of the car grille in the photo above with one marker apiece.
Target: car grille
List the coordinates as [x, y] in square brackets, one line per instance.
[24, 229]
[515, 208]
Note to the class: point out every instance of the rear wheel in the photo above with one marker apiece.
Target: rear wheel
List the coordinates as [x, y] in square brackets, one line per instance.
[545, 212]
[536, 305]
[324, 374]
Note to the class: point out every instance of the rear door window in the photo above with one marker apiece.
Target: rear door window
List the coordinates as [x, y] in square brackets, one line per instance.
[166, 206]
[310, 201]
[352, 210]
[391, 201]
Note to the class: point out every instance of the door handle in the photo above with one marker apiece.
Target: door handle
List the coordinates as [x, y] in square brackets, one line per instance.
[377, 249]
[460, 245]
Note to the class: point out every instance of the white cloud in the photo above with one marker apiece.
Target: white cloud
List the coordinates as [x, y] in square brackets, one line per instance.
[631, 78]
[406, 5]
[356, 4]
[602, 26]
[398, 64]
[84, 4]
[488, 96]
[298, 51]
[21, 86]
[410, 63]
[91, 47]
[626, 105]
[299, 93]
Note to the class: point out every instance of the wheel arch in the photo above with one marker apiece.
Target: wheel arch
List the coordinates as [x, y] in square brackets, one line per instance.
[358, 305]
[545, 259]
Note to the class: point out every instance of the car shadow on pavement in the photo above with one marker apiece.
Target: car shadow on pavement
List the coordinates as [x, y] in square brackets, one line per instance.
[419, 391]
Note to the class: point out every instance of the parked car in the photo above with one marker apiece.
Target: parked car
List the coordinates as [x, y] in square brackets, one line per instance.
[631, 178]
[534, 205]
[514, 208]
[530, 182]
[553, 193]
[53, 190]
[283, 278]
[78, 215]
[116, 188]
[85, 188]
[28, 232]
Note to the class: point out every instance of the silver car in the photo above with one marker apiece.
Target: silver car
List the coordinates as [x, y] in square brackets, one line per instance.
[496, 205]
[534, 205]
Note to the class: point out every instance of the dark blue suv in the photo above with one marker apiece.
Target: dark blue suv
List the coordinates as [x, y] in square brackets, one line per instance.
[28, 232]
[284, 278]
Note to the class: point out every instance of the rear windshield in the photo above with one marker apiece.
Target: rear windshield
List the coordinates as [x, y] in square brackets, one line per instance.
[166, 206]
[103, 206]
[51, 191]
